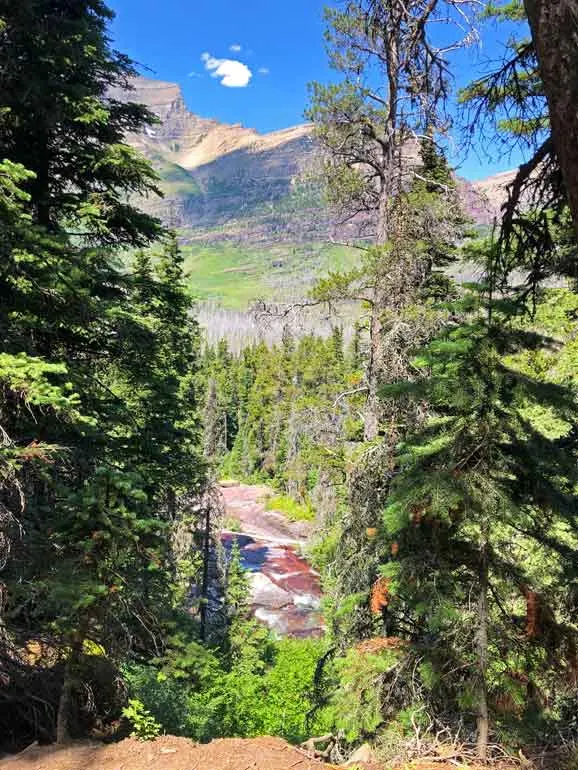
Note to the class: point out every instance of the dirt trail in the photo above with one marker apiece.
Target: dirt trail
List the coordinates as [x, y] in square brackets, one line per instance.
[285, 590]
[166, 753]
[171, 753]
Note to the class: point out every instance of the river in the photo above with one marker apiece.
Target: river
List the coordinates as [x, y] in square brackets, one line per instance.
[285, 589]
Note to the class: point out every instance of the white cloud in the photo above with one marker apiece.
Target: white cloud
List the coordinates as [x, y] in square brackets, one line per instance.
[235, 47]
[263, 70]
[232, 73]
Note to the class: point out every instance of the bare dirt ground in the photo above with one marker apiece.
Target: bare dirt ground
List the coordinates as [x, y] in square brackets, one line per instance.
[167, 753]
[171, 753]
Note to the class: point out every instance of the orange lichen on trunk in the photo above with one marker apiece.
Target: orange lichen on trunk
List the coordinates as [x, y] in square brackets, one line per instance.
[380, 595]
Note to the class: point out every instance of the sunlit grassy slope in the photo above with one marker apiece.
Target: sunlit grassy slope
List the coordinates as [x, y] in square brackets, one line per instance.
[236, 275]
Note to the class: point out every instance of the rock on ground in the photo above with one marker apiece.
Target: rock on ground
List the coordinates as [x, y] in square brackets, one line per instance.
[364, 754]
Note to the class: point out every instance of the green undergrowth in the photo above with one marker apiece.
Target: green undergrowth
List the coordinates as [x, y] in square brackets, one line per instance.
[290, 508]
[266, 688]
[232, 524]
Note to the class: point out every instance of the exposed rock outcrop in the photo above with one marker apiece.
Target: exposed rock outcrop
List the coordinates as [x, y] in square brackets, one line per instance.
[228, 182]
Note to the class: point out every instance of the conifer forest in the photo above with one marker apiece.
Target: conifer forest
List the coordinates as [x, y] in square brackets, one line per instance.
[422, 442]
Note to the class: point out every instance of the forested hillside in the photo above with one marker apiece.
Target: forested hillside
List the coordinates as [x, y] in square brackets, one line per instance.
[424, 443]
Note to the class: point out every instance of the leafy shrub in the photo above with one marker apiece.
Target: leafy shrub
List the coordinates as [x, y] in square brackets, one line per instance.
[145, 726]
[266, 688]
[288, 687]
[232, 524]
[165, 697]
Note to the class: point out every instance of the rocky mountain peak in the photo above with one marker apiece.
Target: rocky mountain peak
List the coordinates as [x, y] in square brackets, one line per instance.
[192, 141]
[228, 182]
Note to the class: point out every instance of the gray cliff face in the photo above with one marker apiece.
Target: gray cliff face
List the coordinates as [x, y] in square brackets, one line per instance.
[229, 183]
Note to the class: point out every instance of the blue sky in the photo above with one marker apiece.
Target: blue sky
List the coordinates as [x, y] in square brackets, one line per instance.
[279, 44]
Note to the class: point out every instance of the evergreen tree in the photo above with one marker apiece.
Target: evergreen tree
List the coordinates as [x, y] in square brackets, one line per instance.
[355, 350]
[106, 360]
[214, 422]
[61, 120]
[393, 86]
[554, 29]
[508, 107]
[490, 479]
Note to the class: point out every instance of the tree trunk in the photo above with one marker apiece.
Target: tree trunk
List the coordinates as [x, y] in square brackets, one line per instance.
[483, 713]
[206, 573]
[65, 709]
[554, 25]
[66, 701]
[371, 412]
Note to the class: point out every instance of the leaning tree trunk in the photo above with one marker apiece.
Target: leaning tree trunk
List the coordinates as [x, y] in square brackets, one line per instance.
[554, 25]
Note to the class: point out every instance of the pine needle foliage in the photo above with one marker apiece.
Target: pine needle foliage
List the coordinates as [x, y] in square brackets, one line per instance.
[98, 410]
[484, 498]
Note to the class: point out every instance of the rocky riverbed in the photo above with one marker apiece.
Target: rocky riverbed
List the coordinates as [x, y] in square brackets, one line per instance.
[285, 590]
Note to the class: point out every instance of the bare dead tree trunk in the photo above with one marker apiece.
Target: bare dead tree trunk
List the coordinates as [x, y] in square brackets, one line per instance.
[483, 712]
[554, 25]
